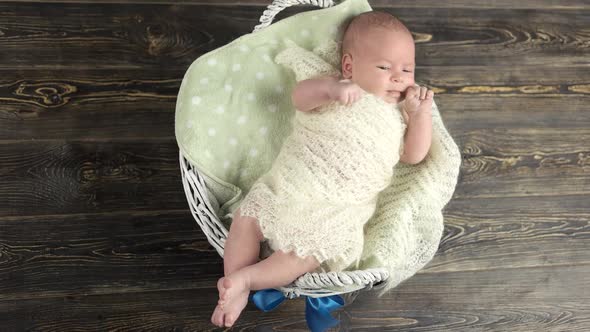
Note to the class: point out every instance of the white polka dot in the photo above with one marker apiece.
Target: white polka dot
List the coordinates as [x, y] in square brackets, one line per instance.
[315, 17]
[242, 119]
[204, 81]
[263, 131]
[233, 141]
[305, 32]
[196, 100]
[250, 96]
[220, 109]
[272, 108]
[208, 154]
[244, 48]
[225, 164]
[279, 88]
[259, 75]
[253, 152]
[274, 41]
[190, 124]
[228, 87]
[212, 132]
[212, 62]
[236, 67]
[266, 58]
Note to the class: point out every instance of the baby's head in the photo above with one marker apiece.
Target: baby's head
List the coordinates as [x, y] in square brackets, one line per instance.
[378, 55]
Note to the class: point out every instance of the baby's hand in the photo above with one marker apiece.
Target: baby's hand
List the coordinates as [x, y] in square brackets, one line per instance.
[418, 100]
[346, 93]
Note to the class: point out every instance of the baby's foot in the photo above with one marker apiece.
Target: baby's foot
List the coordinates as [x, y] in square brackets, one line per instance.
[233, 296]
[218, 317]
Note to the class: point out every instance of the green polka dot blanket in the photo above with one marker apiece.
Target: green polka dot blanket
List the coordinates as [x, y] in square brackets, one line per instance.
[234, 111]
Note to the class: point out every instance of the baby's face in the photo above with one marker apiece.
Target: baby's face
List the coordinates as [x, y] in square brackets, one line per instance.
[382, 64]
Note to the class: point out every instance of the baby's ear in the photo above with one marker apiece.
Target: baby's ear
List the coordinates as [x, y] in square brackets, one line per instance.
[347, 65]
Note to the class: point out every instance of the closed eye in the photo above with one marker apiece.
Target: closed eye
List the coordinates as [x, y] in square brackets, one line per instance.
[387, 68]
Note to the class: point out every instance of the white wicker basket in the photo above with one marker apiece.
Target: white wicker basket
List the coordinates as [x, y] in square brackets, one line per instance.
[344, 283]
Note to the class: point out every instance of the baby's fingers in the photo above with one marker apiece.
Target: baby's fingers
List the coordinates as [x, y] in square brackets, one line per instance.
[410, 93]
[349, 99]
[423, 91]
[352, 98]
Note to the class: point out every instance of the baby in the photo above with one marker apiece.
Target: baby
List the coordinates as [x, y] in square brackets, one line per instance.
[352, 151]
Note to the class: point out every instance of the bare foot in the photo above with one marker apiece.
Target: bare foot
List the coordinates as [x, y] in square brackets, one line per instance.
[218, 316]
[233, 296]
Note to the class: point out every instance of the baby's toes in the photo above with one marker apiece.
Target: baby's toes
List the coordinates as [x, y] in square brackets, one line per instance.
[429, 94]
[218, 316]
[229, 320]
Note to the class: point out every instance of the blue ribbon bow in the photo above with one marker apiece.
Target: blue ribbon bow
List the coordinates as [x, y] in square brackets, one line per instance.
[317, 310]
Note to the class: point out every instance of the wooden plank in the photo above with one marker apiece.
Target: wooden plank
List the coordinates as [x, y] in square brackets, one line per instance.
[506, 4]
[66, 176]
[58, 255]
[91, 108]
[465, 114]
[477, 238]
[495, 163]
[126, 252]
[170, 310]
[572, 205]
[171, 36]
[543, 298]
[123, 36]
[459, 78]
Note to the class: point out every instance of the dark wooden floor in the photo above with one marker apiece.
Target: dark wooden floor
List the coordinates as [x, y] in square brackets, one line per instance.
[95, 232]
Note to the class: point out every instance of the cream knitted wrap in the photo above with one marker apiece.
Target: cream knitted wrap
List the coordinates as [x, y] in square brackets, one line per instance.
[404, 233]
[323, 186]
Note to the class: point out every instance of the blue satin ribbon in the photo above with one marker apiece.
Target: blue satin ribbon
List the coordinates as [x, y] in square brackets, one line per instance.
[317, 310]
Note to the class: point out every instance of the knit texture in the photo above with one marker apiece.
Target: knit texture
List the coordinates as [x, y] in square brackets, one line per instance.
[323, 186]
[403, 234]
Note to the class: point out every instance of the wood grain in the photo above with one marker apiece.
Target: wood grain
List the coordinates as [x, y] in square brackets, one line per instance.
[95, 231]
[169, 36]
[504, 4]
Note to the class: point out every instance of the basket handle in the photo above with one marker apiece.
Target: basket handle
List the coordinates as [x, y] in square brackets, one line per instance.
[277, 5]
